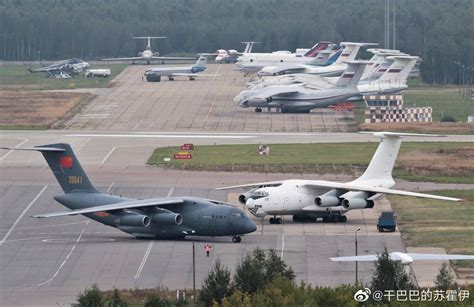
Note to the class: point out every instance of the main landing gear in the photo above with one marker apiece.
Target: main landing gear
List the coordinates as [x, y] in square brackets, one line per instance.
[236, 239]
[170, 78]
[275, 220]
[330, 218]
[258, 110]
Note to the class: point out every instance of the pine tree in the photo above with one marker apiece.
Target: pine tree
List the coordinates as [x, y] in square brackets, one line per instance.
[217, 285]
[92, 297]
[390, 275]
[445, 278]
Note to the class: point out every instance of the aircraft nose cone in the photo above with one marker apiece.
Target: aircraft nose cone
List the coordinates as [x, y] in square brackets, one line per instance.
[250, 203]
[250, 226]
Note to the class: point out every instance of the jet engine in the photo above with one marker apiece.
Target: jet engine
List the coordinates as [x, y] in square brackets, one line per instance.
[156, 53]
[140, 53]
[232, 52]
[357, 203]
[327, 201]
[167, 218]
[134, 220]
[244, 197]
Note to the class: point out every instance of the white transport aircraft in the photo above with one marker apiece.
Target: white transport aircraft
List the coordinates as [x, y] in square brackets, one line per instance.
[329, 200]
[148, 55]
[405, 258]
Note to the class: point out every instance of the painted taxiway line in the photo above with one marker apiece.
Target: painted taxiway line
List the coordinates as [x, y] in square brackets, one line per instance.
[164, 136]
[22, 214]
[109, 154]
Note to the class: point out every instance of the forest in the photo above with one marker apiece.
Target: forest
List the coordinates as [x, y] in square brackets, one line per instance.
[440, 32]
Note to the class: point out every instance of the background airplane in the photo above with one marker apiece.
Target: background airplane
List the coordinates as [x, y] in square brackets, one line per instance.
[155, 74]
[70, 66]
[312, 199]
[148, 55]
[160, 218]
[405, 258]
[231, 55]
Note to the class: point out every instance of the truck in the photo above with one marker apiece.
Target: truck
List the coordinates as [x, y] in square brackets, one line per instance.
[99, 73]
[387, 222]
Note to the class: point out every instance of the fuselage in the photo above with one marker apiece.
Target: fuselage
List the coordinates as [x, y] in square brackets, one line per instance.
[200, 215]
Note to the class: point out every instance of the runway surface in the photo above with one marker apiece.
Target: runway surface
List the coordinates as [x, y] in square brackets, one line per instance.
[205, 104]
[49, 261]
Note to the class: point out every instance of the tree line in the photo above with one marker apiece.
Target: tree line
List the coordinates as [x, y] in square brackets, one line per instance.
[441, 32]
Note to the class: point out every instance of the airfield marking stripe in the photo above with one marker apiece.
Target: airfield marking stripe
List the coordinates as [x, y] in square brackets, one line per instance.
[109, 154]
[48, 282]
[10, 151]
[145, 258]
[164, 136]
[22, 214]
[214, 100]
[35, 227]
[282, 245]
[170, 192]
[110, 187]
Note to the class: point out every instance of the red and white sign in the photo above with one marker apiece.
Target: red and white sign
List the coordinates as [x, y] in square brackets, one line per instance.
[182, 156]
[187, 147]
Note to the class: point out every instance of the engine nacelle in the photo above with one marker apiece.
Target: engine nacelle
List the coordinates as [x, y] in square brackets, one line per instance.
[156, 54]
[327, 201]
[167, 218]
[140, 53]
[134, 220]
[357, 203]
[243, 199]
[232, 52]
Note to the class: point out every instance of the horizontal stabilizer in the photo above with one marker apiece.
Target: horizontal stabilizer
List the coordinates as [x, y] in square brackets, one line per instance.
[382, 134]
[35, 148]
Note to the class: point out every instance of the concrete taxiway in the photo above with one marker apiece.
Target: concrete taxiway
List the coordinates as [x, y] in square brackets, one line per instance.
[206, 104]
[49, 261]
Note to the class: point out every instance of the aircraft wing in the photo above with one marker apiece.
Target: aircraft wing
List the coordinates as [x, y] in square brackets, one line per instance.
[124, 59]
[252, 185]
[133, 204]
[352, 187]
[355, 258]
[416, 256]
[275, 90]
[172, 58]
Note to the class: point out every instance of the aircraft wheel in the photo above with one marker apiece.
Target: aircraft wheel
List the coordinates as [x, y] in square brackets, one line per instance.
[272, 220]
[258, 110]
[343, 218]
[325, 219]
[236, 239]
[296, 218]
[278, 220]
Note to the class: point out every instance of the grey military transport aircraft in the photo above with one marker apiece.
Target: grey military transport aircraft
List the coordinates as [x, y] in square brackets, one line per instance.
[159, 218]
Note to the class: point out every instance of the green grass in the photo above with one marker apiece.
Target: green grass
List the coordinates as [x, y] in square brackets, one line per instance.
[435, 223]
[445, 101]
[16, 77]
[316, 158]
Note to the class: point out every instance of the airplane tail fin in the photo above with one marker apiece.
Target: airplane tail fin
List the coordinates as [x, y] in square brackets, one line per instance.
[249, 46]
[317, 48]
[201, 61]
[380, 167]
[333, 58]
[65, 167]
[321, 58]
[400, 68]
[351, 76]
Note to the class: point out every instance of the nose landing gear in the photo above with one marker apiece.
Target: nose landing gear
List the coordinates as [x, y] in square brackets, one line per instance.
[236, 239]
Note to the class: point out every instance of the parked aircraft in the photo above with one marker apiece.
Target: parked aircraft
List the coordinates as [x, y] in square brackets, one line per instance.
[312, 199]
[70, 67]
[349, 53]
[253, 62]
[302, 98]
[148, 55]
[160, 218]
[231, 55]
[155, 74]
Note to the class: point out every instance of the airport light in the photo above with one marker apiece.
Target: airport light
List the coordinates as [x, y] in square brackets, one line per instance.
[357, 268]
[194, 267]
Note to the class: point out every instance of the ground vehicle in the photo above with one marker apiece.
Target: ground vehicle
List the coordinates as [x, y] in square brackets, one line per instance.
[100, 73]
[387, 222]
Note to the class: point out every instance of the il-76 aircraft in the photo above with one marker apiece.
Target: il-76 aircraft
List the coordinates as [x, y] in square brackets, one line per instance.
[156, 218]
[147, 54]
[308, 200]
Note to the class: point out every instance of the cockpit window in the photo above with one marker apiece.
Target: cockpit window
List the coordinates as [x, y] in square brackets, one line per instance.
[259, 194]
[237, 214]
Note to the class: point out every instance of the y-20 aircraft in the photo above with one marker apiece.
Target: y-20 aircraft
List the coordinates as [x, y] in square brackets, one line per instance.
[308, 200]
[159, 218]
[147, 54]
[155, 74]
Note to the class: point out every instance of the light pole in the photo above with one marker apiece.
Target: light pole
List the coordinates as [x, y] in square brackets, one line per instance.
[357, 263]
[194, 268]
